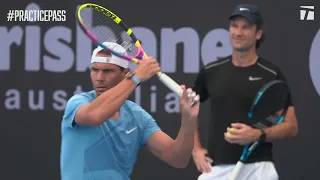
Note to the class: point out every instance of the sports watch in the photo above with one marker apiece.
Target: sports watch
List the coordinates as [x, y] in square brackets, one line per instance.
[262, 137]
[133, 77]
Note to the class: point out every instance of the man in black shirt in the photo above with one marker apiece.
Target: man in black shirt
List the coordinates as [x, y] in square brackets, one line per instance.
[230, 84]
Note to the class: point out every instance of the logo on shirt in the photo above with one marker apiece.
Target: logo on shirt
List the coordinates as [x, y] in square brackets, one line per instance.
[254, 78]
[315, 62]
[131, 130]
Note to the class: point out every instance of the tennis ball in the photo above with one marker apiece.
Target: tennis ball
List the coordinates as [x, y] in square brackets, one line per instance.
[229, 133]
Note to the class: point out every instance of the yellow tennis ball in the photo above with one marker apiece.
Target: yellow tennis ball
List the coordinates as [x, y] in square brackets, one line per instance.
[229, 133]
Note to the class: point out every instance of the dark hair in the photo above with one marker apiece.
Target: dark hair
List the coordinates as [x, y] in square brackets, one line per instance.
[261, 40]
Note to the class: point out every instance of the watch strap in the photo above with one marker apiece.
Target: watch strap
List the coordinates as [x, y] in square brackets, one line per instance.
[133, 77]
[262, 137]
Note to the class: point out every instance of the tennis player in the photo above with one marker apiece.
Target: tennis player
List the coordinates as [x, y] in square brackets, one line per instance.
[102, 131]
[230, 84]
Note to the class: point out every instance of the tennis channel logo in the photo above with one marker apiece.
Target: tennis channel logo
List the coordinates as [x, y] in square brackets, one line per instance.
[34, 14]
[314, 63]
[307, 13]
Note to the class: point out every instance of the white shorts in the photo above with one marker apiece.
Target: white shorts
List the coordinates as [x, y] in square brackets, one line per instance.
[253, 171]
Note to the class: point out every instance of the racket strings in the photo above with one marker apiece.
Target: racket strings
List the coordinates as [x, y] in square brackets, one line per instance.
[270, 106]
[106, 30]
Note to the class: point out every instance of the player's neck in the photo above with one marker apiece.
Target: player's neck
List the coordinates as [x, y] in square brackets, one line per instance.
[244, 58]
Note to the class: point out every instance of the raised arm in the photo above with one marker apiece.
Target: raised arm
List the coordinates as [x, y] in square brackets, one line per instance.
[177, 152]
[110, 101]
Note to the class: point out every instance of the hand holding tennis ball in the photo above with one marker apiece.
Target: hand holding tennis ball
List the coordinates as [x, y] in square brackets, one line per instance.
[240, 133]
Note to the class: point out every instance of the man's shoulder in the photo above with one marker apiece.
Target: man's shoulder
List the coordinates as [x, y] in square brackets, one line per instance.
[268, 66]
[218, 63]
[81, 98]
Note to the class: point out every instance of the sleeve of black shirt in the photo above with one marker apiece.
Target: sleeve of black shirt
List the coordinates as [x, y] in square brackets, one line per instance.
[200, 86]
[281, 77]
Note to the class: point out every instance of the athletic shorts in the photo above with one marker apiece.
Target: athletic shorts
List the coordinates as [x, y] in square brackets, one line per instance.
[253, 171]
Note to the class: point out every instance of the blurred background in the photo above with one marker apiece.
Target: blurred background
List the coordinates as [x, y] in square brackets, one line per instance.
[42, 64]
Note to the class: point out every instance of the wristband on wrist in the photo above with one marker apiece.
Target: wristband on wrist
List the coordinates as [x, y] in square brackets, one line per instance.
[133, 77]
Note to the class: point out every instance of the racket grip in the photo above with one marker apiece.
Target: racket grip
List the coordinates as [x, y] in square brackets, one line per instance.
[236, 170]
[170, 83]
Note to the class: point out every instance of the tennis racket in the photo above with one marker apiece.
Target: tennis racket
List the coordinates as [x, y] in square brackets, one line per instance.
[118, 32]
[268, 108]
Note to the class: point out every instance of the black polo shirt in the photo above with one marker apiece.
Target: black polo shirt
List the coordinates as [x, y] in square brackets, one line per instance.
[231, 90]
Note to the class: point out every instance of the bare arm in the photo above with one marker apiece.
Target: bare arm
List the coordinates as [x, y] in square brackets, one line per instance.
[244, 134]
[176, 152]
[199, 153]
[197, 143]
[109, 102]
[105, 105]
[289, 127]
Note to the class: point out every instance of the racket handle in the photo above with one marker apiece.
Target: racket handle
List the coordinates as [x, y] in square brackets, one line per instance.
[236, 170]
[166, 80]
[170, 83]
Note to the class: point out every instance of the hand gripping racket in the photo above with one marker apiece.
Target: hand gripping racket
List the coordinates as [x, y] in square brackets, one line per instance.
[117, 32]
[268, 108]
